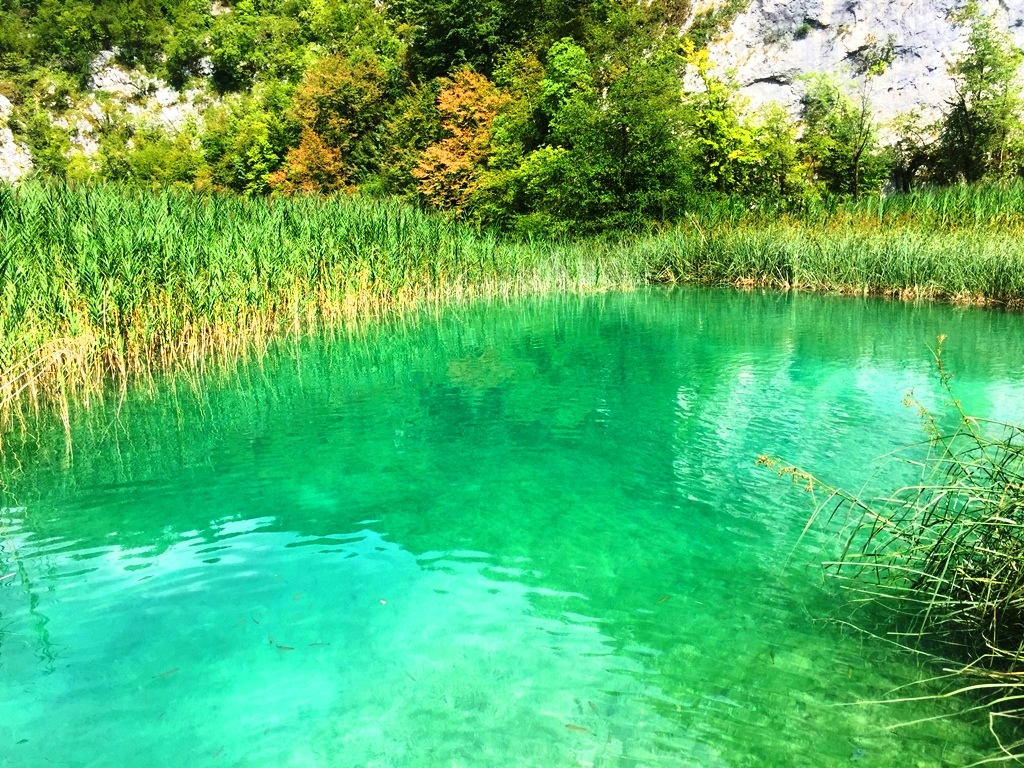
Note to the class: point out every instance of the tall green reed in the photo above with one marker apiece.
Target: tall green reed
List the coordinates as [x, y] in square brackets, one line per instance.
[108, 281]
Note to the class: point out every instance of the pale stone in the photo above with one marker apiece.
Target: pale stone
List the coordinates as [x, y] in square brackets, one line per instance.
[763, 52]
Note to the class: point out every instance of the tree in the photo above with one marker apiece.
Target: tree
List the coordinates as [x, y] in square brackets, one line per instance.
[720, 148]
[449, 34]
[913, 150]
[340, 106]
[247, 43]
[247, 137]
[984, 116]
[840, 139]
[605, 150]
[449, 170]
[777, 178]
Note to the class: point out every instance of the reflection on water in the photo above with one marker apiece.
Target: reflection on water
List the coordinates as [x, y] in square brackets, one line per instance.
[512, 535]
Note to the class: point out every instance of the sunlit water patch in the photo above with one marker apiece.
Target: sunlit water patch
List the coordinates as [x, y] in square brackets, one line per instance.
[513, 535]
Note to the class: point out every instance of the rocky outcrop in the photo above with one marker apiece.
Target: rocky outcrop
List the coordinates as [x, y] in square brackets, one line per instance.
[773, 43]
[15, 160]
[115, 93]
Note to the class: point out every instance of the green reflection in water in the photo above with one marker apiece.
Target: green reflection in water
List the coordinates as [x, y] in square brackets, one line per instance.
[527, 534]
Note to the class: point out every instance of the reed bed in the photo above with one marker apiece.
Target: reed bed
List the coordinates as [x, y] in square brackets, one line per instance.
[983, 207]
[106, 283]
[944, 560]
[909, 262]
[110, 282]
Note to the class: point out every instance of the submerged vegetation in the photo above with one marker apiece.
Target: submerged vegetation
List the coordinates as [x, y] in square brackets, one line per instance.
[943, 557]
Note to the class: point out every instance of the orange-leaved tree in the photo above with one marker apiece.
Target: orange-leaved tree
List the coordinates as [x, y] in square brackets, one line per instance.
[340, 106]
[450, 170]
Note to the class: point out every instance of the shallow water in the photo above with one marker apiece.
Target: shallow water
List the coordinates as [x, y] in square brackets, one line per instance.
[512, 535]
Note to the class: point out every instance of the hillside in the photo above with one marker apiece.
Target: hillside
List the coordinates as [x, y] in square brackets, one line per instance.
[530, 117]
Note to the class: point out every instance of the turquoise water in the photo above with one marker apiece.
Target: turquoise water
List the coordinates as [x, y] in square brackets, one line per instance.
[527, 534]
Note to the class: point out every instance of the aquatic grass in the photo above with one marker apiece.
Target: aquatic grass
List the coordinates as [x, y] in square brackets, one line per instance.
[133, 279]
[908, 262]
[108, 282]
[986, 206]
[944, 559]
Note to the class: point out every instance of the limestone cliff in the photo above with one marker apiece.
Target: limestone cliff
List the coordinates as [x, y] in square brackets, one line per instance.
[773, 42]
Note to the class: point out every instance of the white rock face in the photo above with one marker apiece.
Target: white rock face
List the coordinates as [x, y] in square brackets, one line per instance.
[774, 42]
[148, 101]
[15, 160]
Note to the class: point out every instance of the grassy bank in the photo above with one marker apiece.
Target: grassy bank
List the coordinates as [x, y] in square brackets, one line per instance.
[109, 282]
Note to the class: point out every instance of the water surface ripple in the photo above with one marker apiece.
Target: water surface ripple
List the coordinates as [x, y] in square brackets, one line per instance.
[529, 534]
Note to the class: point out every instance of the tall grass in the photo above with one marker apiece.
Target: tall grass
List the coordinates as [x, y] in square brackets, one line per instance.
[112, 282]
[108, 281]
[945, 558]
[910, 262]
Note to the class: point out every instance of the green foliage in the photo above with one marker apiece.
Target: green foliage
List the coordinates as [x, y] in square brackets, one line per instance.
[247, 138]
[840, 140]
[414, 124]
[340, 107]
[150, 157]
[735, 155]
[352, 28]
[942, 558]
[983, 125]
[778, 179]
[16, 45]
[33, 122]
[605, 151]
[912, 153]
[247, 43]
[186, 45]
[707, 24]
[449, 34]
[720, 147]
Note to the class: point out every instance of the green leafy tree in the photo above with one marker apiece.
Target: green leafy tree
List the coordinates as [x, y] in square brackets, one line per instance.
[68, 35]
[609, 154]
[414, 123]
[840, 139]
[354, 28]
[777, 178]
[720, 147]
[16, 42]
[984, 118]
[912, 153]
[448, 34]
[187, 42]
[247, 139]
[247, 43]
[341, 108]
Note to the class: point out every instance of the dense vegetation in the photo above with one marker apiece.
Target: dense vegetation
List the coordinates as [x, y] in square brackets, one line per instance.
[112, 281]
[527, 117]
[170, 244]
